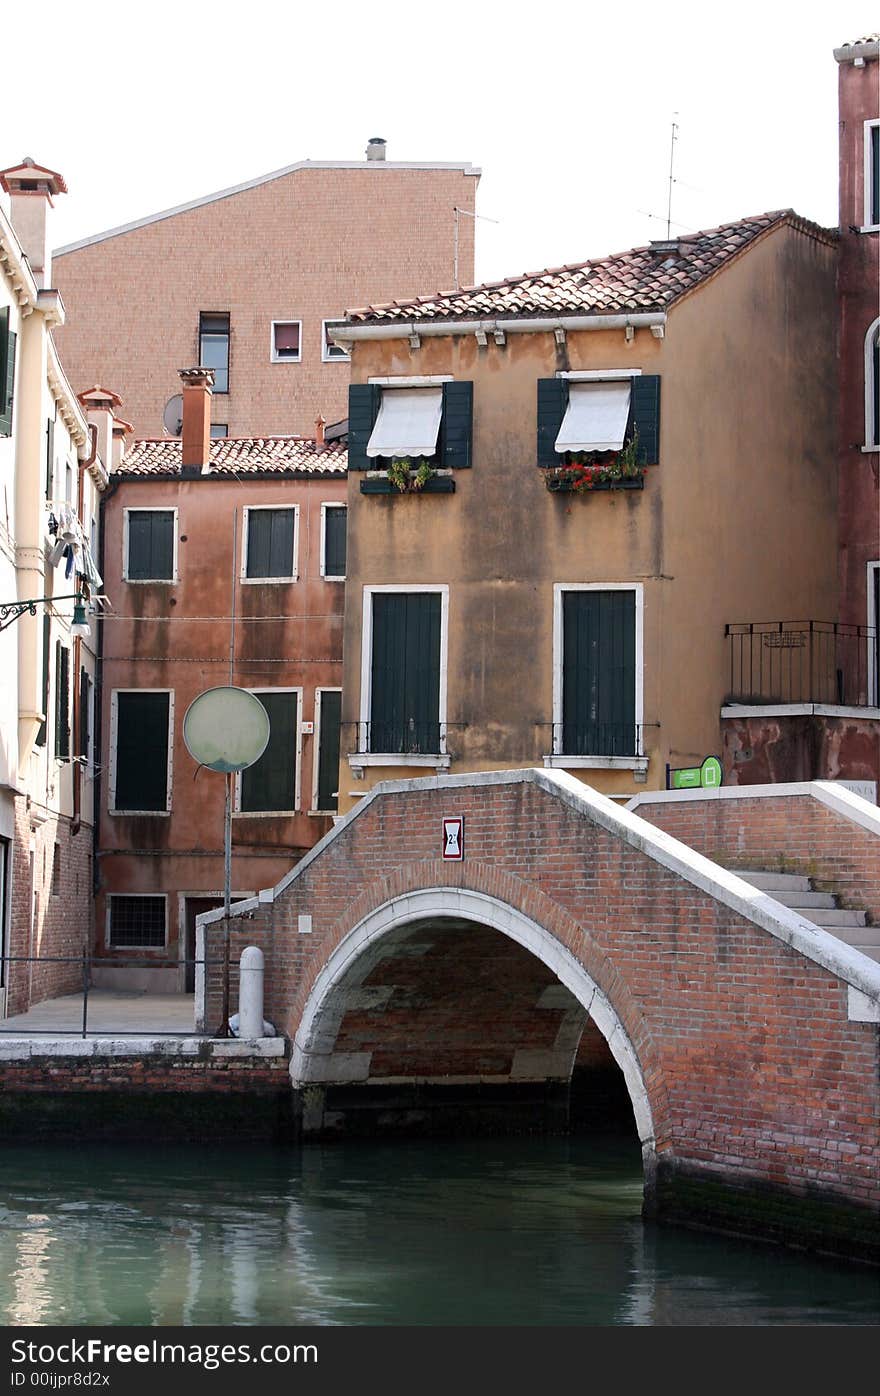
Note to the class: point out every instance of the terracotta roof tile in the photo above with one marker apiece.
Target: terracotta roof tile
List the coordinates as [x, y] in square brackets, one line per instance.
[245, 455]
[642, 279]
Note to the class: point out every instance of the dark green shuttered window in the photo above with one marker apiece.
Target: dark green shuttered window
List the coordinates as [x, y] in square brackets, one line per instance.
[141, 751]
[150, 545]
[644, 417]
[875, 391]
[85, 700]
[599, 673]
[875, 175]
[405, 689]
[62, 701]
[7, 372]
[47, 649]
[454, 443]
[335, 520]
[270, 543]
[328, 748]
[50, 457]
[270, 784]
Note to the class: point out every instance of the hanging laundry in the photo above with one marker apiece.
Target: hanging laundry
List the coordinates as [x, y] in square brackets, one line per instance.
[57, 552]
[52, 525]
[68, 566]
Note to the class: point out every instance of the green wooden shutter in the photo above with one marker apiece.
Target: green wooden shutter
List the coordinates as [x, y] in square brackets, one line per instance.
[335, 521]
[645, 416]
[47, 650]
[552, 403]
[875, 395]
[7, 372]
[62, 701]
[281, 542]
[85, 693]
[162, 545]
[50, 457]
[270, 543]
[457, 426]
[598, 673]
[363, 409]
[405, 691]
[141, 751]
[151, 545]
[270, 784]
[875, 175]
[328, 749]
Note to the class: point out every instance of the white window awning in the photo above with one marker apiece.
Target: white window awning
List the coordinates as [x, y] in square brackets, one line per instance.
[408, 422]
[596, 416]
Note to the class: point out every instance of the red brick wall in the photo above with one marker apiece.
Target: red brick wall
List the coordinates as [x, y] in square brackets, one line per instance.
[788, 833]
[753, 1071]
[63, 920]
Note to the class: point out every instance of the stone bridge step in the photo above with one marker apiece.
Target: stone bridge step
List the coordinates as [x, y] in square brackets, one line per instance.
[774, 881]
[802, 900]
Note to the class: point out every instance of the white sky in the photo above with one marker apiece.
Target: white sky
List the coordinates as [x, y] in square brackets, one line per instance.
[566, 109]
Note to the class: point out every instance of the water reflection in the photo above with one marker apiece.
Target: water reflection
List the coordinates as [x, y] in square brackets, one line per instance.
[469, 1232]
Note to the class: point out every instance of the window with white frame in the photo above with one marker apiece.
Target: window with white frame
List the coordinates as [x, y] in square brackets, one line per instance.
[149, 545]
[328, 712]
[872, 173]
[271, 785]
[334, 518]
[872, 387]
[330, 352]
[874, 634]
[140, 750]
[214, 347]
[136, 922]
[597, 673]
[403, 677]
[286, 345]
[270, 544]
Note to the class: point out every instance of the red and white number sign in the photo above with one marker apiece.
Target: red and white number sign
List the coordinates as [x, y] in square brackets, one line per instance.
[453, 839]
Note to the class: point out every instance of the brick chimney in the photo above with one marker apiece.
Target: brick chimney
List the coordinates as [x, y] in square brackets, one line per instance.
[197, 385]
[30, 188]
[320, 424]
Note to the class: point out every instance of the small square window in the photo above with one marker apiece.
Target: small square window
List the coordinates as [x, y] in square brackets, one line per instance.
[219, 431]
[270, 545]
[286, 336]
[150, 545]
[137, 922]
[331, 352]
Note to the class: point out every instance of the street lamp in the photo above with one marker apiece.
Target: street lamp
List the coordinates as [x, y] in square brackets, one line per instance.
[13, 610]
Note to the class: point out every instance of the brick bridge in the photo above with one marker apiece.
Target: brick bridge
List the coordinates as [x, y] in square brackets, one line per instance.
[572, 935]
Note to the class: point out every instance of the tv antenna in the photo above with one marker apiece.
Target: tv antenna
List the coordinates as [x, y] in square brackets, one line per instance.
[172, 417]
[671, 180]
[456, 213]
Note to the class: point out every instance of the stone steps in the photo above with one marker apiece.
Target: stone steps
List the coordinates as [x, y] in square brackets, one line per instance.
[795, 891]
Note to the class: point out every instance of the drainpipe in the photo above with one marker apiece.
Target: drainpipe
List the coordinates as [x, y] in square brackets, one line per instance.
[76, 823]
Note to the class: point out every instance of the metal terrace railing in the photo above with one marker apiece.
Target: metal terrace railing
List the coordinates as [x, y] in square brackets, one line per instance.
[802, 662]
[61, 1015]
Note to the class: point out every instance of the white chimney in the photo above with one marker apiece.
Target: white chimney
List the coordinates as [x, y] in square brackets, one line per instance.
[376, 148]
[30, 188]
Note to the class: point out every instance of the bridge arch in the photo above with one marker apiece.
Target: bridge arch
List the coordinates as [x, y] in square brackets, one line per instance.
[354, 957]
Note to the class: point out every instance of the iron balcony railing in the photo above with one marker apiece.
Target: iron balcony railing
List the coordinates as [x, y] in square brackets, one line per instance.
[400, 736]
[811, 661]
[598, 739]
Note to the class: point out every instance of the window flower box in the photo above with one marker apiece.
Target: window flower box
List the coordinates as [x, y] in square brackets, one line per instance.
[565, 482]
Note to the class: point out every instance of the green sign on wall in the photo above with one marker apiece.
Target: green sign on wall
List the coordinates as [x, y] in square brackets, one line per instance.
[705, 777]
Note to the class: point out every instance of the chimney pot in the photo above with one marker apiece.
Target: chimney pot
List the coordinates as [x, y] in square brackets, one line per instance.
[376, 148]
[197, 384]
[320, 423]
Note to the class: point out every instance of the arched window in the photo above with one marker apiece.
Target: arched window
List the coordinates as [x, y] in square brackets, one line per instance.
[872, 386]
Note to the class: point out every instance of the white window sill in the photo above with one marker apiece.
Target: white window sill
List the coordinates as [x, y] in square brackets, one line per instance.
[150, 581]
[264, 813]
[140, 813]
[596, 763]
[870, 450]
[267, 581]
[358, 760]
[331, 579]
[287, 360]
[870, 228]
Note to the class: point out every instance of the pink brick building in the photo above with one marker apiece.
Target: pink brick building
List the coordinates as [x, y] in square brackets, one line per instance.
[243, 280]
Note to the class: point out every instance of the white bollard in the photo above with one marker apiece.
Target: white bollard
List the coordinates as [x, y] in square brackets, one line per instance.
[250, 993]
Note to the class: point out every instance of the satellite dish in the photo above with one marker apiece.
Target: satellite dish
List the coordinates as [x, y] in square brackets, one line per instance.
[172, 417]
[226, 729]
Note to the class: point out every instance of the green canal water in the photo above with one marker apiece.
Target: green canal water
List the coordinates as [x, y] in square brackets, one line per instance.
[506, 1231]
